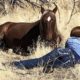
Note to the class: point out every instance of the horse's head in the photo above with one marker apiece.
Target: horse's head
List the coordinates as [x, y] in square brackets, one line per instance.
[48, 24]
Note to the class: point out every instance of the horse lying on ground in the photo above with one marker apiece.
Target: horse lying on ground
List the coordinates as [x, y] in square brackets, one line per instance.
[19, 36]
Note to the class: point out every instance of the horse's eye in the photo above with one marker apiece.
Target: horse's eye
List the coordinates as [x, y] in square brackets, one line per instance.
[53, 20]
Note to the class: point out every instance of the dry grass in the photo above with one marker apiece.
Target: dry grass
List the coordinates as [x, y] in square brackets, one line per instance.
[8, 72]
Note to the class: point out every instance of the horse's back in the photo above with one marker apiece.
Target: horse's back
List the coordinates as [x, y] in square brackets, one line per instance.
[18, 30]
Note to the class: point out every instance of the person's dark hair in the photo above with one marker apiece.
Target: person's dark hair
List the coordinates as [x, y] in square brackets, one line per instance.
[75, 32]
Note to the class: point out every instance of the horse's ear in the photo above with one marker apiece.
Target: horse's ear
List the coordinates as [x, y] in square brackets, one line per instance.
[42, 10]
[55, 9]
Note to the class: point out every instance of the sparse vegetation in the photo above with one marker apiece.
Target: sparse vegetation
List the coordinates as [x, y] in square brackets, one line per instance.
[23, 11]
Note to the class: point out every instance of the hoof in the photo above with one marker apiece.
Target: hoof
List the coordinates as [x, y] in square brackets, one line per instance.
[22, 52]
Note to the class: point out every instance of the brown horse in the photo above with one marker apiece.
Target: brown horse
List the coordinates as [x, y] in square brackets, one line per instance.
[75, 32]
[19, 36]
[22, 35]
[48, 27]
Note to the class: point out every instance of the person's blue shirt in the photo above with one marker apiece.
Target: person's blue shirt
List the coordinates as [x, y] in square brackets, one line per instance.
[74, 44]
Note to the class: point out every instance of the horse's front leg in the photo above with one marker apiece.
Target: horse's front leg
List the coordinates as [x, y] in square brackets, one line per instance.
[17, 50]
[2, 44]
